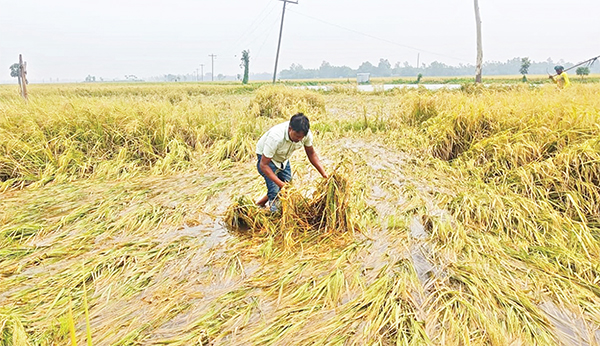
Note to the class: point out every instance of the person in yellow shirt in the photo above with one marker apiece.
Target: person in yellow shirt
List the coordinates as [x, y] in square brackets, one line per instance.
[561, 79]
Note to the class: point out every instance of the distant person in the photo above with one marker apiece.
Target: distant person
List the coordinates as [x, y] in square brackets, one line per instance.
[274, 149]
[561, 79]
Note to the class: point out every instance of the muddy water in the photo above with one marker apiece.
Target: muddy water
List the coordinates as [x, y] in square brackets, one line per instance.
[212, 233]
[207, 268]
[420, 252]
[570, 328]
[385, 160]
[417, 230]
[385, 87]
[218, 235]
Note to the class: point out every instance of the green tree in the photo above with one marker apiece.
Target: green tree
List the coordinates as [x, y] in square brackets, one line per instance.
[245, 65]
[384, 68]
[525, 63]
[582, 71]
[366, 67]
[326, 70]
[15, 71]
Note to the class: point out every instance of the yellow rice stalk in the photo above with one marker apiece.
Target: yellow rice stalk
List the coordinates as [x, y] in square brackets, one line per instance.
[511, 219]
[71, 324]
[281, 101]
[239, 148]
[327, 212]
[19, 336]
[88, 328]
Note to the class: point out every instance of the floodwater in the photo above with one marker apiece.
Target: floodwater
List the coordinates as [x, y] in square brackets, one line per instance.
[385, 87]
[420, 252]
[570, 329]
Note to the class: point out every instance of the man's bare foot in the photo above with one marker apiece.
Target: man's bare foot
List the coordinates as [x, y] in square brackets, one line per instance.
[263, 201]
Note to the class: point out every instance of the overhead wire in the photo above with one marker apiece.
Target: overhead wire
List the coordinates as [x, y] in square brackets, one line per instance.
[249, 32]
[378, 38]
[242, 40]
[266, 30]
[272, 27]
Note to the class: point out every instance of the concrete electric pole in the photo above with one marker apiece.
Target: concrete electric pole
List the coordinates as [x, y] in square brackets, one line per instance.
[280, 31]
[212, 74]
[479, 47]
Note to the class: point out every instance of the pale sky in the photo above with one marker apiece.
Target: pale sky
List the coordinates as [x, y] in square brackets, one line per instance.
[70, 39]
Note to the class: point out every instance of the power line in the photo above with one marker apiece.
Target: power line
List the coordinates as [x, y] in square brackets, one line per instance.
[265, 40]
[378, 38]
[267, 30]
[247, 33]
[280, 32]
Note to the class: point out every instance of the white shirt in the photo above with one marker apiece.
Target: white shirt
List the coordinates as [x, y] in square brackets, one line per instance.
[276, 144]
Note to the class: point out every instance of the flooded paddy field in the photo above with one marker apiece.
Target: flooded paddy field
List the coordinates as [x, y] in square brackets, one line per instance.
[470, 217]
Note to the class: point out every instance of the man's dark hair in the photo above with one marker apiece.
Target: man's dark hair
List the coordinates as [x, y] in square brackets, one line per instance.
[299, 123]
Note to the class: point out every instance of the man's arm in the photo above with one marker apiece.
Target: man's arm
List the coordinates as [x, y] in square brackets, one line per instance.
[266, 169]
[314, 160]
[556, 78]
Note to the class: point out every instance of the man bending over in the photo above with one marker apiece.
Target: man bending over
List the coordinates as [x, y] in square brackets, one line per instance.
[274, 149]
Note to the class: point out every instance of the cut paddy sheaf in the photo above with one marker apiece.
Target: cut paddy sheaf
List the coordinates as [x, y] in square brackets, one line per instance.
[326, 213]
[504, 181]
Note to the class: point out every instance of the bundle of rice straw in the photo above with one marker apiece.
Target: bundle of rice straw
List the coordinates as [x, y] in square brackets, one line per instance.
[326, 212]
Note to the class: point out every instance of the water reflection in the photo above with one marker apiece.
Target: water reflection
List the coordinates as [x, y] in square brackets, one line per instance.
[385, 87]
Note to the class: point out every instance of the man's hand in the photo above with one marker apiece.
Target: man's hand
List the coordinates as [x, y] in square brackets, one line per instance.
[314, 160]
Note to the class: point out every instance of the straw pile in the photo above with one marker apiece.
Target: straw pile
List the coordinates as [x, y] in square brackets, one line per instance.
[278, 101]
[326, 212]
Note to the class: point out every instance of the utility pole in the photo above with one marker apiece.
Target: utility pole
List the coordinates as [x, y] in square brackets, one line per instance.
[212, 74]
[23, 76]
[196, 75]
[418, 56]
[280, 31]
[479, 48]
[202, 71]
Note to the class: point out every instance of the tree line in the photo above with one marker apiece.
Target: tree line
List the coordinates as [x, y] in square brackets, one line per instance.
[385, 69]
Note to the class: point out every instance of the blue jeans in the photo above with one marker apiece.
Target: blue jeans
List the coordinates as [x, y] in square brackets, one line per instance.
[284, 175]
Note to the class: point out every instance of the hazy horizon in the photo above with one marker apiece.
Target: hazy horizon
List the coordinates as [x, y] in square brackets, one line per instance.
[70, 39]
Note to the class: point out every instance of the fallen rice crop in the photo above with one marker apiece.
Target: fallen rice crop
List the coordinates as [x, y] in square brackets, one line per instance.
[281, 101]
[465, 217]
